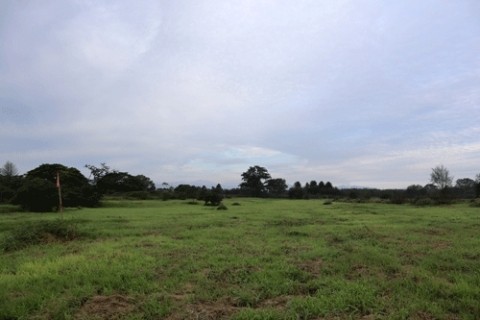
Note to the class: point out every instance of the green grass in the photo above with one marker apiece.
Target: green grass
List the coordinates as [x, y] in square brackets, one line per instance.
[262, 259]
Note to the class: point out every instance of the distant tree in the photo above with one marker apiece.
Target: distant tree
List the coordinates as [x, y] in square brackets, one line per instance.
[254, 181]
[8, 170]
[98, 172]
[76, 191]
[440, 177]
[296, 191]
[121, 182]
[414, 191]
[313, 188]
[37, 194]
[465, 183]
[465, 188]
[276, 187]
[10, 181]
[186, 191]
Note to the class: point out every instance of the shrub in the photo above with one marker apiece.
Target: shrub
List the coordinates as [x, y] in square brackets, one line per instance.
[475, 202]
[424, 202]
[213, 199]
[39, 232]
[222, 207]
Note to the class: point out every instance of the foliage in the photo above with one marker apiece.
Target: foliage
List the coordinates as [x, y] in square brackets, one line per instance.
[38, 192]
[118, 182]
[276, 187]
[296, 192]
[254, 181]
[37, 195]
[213, 199]
[38, 232]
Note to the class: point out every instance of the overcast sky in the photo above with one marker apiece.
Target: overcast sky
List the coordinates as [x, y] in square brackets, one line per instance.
[356, 92]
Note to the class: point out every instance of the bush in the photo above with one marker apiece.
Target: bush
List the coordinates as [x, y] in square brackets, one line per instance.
[222, 207]
[475, 202]
[213, 199]
[39, 232]
[424, 202]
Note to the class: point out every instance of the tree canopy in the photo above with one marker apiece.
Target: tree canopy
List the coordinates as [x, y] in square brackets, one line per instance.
[254, 181]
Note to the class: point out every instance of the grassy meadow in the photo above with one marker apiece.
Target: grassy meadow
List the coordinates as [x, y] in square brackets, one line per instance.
[260, 259]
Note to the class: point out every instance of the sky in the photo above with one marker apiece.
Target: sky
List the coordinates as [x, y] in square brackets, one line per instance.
[357, 92]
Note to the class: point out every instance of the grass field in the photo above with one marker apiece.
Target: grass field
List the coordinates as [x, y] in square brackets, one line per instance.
[261, 259]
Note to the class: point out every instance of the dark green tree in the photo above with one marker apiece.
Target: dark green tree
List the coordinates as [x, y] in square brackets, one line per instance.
[276, 187]
[37, 194]
[254, 181]
[122, 182]
[296, 192]
[76, 191]
[98, 172]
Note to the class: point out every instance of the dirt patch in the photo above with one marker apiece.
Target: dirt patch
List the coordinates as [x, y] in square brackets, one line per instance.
[221, 309]
[278, 303]
[358, 271]
[106, 307]
[440, 245]
[314, 267]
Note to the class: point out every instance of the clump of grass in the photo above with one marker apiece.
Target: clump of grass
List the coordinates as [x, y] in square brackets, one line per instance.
[327, 202]
[39, 232]
[193, 202]
[236, 204]
[222, 207]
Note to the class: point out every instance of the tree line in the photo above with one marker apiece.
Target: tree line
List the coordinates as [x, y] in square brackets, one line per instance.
[37, 189]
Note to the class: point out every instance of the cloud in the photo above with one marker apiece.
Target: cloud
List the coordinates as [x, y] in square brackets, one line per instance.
[353, 92]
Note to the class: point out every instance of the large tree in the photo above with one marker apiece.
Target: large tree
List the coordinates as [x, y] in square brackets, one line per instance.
[440, 177]
[254, 181]
[120, 182]
[76, 191]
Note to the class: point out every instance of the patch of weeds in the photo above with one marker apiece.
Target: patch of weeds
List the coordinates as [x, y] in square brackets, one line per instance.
[328, 202]
[39, 232]
[297, 234]
[258, 314]
[236, 204]
[106, 307]
[222, 207]
[289, 222]
[193, 202]
[9, 208]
